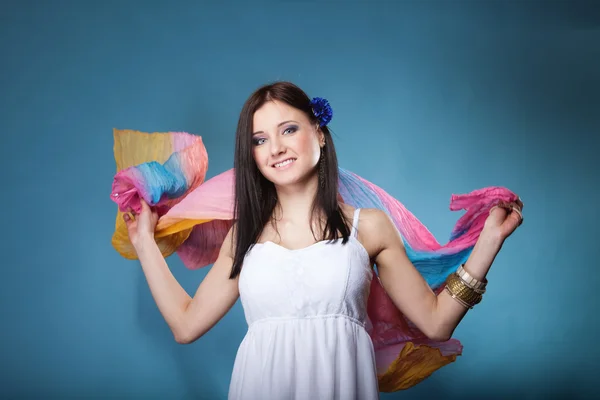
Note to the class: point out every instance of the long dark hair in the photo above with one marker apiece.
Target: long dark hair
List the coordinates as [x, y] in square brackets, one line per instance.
[255, 196]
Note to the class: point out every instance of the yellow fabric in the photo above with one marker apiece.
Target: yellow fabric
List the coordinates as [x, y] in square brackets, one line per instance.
[413, 364]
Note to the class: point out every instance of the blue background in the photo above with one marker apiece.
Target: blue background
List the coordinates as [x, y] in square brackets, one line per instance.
[429, 99]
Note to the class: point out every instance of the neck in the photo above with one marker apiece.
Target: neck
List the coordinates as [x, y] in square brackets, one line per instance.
[295, 201]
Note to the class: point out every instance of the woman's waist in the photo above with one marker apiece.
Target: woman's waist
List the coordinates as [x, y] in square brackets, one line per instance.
[306, 320]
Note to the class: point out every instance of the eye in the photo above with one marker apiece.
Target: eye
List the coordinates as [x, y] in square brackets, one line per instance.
[258, 141]
[290, 129]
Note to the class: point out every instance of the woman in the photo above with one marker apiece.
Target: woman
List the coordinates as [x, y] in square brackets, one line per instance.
[302, 262]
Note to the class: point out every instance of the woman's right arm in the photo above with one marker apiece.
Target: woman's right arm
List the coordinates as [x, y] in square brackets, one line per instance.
[189, 318]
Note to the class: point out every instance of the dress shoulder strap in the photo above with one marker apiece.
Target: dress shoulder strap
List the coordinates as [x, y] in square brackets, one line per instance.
[355, 222]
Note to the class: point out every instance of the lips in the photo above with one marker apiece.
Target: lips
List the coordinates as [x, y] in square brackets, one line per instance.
[283, 163]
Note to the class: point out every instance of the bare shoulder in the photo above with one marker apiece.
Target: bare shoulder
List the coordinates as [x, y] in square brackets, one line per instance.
[376, 231]
[369, 219]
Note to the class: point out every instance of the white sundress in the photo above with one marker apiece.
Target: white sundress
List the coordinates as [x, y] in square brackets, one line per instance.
[306, 311]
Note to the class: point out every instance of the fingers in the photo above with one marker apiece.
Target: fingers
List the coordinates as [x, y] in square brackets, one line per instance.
[147, 213]
[128, 218]
[512, 209]
[145, 206]
[502, 205]
[519, 203]
[516, 210]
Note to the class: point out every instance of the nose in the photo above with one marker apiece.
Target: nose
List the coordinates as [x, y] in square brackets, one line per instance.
[277, 147]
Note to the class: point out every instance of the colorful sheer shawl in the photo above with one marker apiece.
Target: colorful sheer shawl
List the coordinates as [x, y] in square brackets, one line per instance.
[168, 170]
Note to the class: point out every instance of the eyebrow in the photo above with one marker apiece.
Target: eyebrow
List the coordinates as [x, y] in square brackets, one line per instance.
[278, 125]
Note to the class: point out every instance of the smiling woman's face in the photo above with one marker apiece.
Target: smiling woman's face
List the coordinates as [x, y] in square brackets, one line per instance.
[285, 144]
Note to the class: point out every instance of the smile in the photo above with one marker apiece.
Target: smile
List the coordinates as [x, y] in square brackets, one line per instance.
[284, 163]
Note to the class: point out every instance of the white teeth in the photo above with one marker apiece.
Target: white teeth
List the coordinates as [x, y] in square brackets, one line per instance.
[284, 163]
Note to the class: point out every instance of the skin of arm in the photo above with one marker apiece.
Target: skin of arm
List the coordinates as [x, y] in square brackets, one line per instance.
[189, 318]
[436, 316]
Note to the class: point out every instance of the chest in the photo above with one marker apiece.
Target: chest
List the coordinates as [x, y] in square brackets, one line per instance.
[320, 278]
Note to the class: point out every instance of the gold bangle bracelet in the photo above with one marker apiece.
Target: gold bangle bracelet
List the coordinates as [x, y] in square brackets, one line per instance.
[459, 289]
[458, 299]
[464, 297]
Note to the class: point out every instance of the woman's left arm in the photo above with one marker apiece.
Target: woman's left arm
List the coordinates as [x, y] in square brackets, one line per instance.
[436, 316]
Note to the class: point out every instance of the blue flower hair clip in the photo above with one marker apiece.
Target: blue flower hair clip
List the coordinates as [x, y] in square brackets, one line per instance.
[322, 110]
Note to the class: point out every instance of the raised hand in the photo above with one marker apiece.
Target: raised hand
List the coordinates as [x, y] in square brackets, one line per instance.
[141, 225]
[504, 219]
